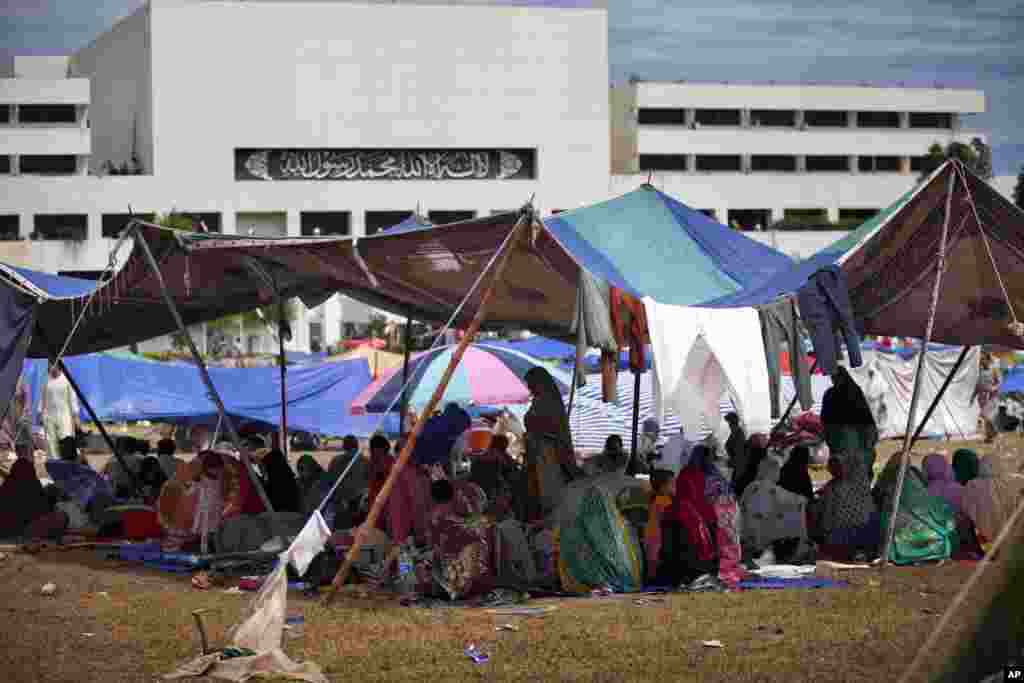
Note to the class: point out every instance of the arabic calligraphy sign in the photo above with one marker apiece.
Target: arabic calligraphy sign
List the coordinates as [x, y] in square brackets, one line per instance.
[385, 164]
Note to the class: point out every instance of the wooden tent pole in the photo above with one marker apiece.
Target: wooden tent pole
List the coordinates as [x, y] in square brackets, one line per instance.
[140, 240]
[940, 267]
[378, 504]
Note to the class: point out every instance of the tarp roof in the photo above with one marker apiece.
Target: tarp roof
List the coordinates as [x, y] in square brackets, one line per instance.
[644, 242]
[891, 270]
[125, 390]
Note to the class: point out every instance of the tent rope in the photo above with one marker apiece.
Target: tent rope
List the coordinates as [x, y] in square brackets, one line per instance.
[1016, 326]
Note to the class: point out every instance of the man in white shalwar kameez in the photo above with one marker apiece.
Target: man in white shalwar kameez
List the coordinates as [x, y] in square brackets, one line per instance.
[59, 410]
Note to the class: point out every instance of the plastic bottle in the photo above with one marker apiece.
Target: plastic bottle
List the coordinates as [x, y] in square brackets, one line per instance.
[406, 581]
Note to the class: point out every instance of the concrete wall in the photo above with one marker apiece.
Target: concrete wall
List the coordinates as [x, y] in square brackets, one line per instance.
[117, 64]
[41, 67]
[44, 91]
[737, 96]
[624, 137]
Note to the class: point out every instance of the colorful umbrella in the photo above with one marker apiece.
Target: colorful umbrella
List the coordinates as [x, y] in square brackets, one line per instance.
[487, 375]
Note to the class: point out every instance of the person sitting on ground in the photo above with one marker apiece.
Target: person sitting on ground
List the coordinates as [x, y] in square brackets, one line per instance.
[845, 517]
[613, 458]
[405, 513]
[165, 450]
[688, 549]
[151, 480]
[491, 472]
[756, 451]
[282, 490]
[939, 475]
[598, 548]
[795, 476]
[965, 465]
[924, 527]
[308, 473]
[123, 480]
[662, 482]
[22, 500]
[846, 416]
[463, 540]
[770, 512]
[990, 499]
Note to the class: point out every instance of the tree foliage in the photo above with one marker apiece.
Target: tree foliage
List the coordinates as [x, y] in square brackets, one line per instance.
[1018, 191]
[977, 156]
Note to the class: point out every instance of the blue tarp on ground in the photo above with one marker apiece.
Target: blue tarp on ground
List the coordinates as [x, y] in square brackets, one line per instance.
[123, 390]
[1013, 382]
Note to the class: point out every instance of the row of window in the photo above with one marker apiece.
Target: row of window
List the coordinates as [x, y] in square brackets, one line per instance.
[39, 113]
[75, 226]
[774, 163]
[41, 164]
[787, 118]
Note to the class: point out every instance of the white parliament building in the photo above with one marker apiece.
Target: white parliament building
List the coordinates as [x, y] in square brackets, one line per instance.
[276, 117]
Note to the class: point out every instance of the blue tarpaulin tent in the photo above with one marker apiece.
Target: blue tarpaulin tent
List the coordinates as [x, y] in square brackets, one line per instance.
[127, 390]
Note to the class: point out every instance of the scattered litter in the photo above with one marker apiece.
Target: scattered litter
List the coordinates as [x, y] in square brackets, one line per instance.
[602, 592]
[647, 601]
[506, 627]
[104, 594]
[927, 610]
[873, 583]
[476, 655]
[3, 556]
[234, 590]
[523, 611]
[712, 643]
[48, 589]
[842, 565]
[88, 635]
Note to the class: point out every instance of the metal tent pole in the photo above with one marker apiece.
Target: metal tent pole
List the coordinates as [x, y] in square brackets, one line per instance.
[284, 376]
[203, 373]
[403, 459]
[942, 392]
[88, 407]
[912, 415]
[796, 396]
[407, 338]
[636, 415]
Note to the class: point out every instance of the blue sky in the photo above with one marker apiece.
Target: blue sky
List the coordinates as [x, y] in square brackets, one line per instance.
[965, 43]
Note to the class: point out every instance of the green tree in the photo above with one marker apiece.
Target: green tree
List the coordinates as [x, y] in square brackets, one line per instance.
[976, 156]
[175, 221]
[1018, 192]
[377, 326]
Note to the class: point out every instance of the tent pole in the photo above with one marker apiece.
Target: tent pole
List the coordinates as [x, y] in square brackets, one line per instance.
[572, 390]
[88, 407]
[525, 219]
[796, 397]
[407, 340]
[636, 415]
[140, 240]
[942, 392]
[940, 267]
[284, 376]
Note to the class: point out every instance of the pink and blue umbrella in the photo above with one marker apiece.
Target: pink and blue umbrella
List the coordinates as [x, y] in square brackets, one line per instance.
[487, 376]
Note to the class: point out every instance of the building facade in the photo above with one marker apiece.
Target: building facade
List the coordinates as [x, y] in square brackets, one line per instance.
[819, 157]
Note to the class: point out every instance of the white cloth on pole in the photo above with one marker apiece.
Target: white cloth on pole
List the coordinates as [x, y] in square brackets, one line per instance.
[310, 542]
[703, 353]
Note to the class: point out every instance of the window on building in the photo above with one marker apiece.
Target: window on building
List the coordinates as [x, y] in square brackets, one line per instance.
[773, 118]
[805, 217]
[856, 216]
[878, 119]
[719, 163]
[114, 223]
[199, 219]
[62, 226]
[878, 164]
[661, 117]
[444, 217]
[325, 223]
[48, 164]
[47, 113]
[5, 164]
[930, 120]
[377, 221]
[717, 117]
[825, 119]
[8, 228]
[750, 219]
[828, 164]
[662, 162]
[773, 163]
[499, 212]
[5, 113]
[917, 164]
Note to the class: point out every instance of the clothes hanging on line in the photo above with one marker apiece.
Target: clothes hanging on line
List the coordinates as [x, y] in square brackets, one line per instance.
[780, 329]
[825, 306]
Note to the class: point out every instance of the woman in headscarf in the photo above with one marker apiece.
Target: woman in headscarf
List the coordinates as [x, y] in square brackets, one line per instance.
[18, 418]
[688, 549]
[21, 495]
[756, 451]
[719, 494]
[151, 480]
[282, 490]
[795, 476]
[965, 465]
[939, 475]
[308, 474]
[990, 499]
[849, 425]
[612, 459]
[770, 512]
[925, 527]
[845, 516]
[550, 459]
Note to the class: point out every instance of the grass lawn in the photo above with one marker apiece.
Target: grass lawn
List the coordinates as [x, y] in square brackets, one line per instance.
[112, 622]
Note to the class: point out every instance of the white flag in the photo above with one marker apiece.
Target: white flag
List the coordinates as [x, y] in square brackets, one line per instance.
[309, 543]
